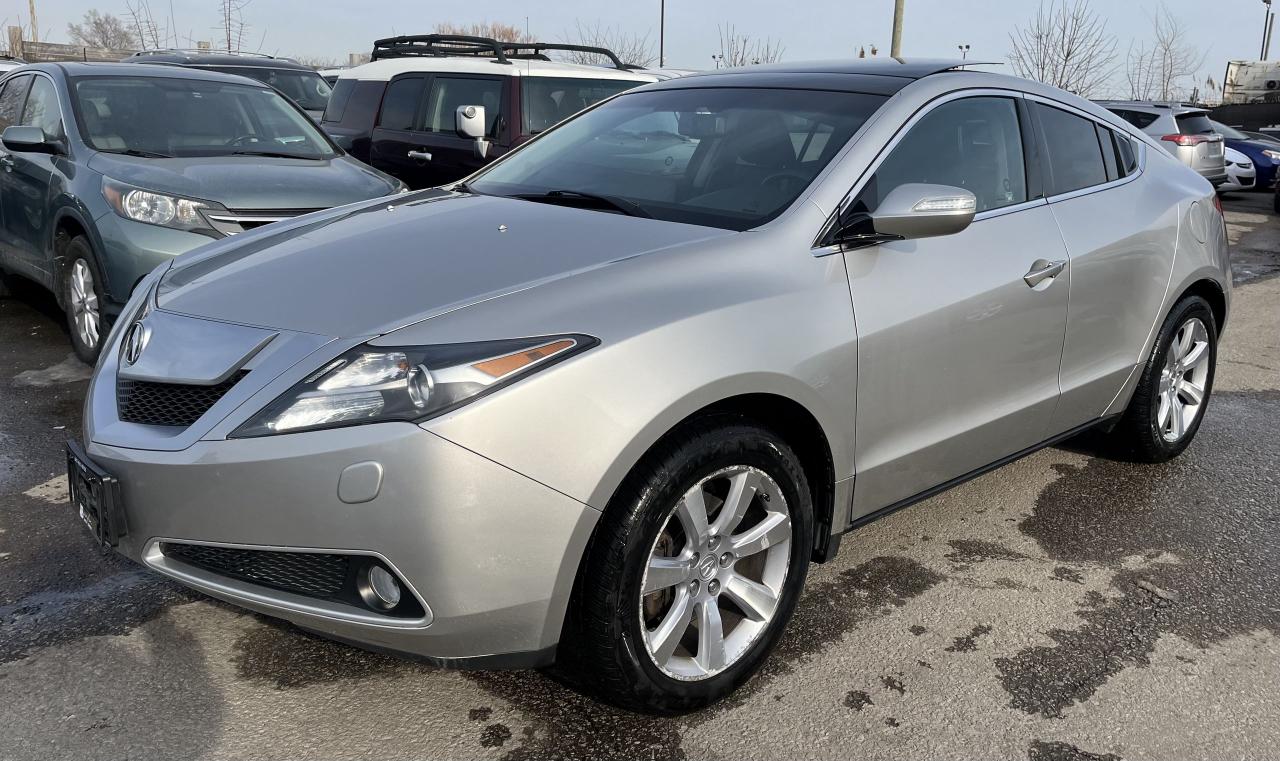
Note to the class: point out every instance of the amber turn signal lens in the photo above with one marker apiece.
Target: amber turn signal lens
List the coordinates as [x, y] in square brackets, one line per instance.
[507, 364]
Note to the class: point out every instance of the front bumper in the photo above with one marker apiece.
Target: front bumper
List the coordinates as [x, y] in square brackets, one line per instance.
[491, 554]
[132, 249]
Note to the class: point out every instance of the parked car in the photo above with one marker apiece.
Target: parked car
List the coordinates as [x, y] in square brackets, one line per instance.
[9, 63]
[1241, 174]
[1184, 131]
[1263, 154]
[97, 191]
[299, 83]
[1262, 136]
[603, 412]
[399, 112]
[331, 75]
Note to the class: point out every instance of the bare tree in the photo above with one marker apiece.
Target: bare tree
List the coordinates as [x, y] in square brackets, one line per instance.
[232, 25]
[633, 49]
[495, 30]
[1066, 45]
[744, 50]
[321, 61]
[1157, 70]
[146, 31]
[101, 30]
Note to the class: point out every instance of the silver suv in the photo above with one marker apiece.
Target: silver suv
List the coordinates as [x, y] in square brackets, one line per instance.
[1184, 131]
[601, 404]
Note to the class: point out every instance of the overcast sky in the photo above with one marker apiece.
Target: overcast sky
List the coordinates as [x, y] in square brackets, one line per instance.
[809, 29]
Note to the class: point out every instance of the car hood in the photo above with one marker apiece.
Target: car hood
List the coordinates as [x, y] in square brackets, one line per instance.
[371, 269]
[251, 182]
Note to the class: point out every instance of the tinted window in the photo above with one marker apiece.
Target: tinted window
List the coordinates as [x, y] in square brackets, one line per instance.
[974, 143]
[306, 88]
[42, 108]
[1075, 159]
[1108, 153]
[201, 118]
[1128, 154]
[1194, 123]
[338, 100]
[447, 94]
[1139, 119]
[15, 90]
[732, 160]
[548, 100]
[400, 104]
[1230, 133]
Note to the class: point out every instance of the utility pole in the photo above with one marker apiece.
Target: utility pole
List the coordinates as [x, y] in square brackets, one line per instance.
[35, 28]
[662, 33]
[1266, 27]
[895, 49]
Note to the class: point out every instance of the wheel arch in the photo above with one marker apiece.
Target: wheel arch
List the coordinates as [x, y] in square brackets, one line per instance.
[1211, 291]
[69, 223]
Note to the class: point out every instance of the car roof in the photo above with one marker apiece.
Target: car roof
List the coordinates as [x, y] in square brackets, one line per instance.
[195, 58]
[877, 76]
[1153, 106]
[390, 67]
[93, 69]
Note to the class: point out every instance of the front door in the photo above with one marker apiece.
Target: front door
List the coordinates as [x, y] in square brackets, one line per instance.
[12, 97]
[32, 180]
[958, 354]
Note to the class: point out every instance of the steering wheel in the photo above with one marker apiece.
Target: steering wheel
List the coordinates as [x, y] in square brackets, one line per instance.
[244, 140]
[782, 178]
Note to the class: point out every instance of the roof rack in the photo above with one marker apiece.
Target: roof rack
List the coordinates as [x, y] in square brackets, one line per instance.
[445, 45]
[198, 51]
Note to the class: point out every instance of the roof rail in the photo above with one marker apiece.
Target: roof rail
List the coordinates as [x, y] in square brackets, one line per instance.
[199, 51]
[443, 45]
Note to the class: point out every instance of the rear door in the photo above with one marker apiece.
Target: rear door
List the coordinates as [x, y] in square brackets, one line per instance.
[396, 147]
[958, 354]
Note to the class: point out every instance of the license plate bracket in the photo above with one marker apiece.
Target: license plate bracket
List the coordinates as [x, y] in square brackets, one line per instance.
[95, 495]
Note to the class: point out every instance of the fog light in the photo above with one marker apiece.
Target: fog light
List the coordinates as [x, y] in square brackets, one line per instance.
[380, 590]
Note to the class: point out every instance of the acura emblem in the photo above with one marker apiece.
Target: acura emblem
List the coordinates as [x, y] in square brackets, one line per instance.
[135, 341]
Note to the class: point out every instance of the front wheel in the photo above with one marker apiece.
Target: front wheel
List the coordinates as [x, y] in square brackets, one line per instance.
[693, 572]
[1173, 393]
[83, 297]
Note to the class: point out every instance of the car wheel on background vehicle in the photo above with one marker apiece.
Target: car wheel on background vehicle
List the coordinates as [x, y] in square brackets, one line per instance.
[693, 572]
[1169, 403]
[83, 298]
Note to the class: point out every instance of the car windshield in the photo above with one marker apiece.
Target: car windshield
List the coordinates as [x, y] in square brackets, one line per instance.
[201, 118]
[548, 100]
[726, 157]
[306, 88]
[1230, 133]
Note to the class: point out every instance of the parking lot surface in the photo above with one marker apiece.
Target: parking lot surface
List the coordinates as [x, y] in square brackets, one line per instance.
[1063, 607]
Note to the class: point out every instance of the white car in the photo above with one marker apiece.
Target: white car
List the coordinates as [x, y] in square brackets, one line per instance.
[1241, 174]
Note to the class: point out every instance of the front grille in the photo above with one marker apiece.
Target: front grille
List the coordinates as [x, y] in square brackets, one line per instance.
[238, 221]
[171, 404]
[308, 573]
[321, 575]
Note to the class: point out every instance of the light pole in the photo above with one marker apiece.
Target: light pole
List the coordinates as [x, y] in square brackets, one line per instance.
[895, 48]
[662, 33]
[964, 52]
[1266, 27]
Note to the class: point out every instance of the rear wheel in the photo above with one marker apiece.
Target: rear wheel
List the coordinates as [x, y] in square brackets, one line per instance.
[693, 572]
[1173, 393]
[83, 297]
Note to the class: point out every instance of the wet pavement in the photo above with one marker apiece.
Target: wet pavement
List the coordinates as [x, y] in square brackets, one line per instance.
[1064, 607]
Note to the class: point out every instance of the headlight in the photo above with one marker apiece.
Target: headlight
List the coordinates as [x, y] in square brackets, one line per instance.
[1273, 155]
[374, 384]
[158, 208]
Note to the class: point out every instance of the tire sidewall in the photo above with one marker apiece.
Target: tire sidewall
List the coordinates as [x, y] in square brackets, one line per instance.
[752, 447]
[1186, 309]
[79, 249]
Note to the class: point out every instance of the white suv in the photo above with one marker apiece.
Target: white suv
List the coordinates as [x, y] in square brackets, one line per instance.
[1184, 131]
[431, 109]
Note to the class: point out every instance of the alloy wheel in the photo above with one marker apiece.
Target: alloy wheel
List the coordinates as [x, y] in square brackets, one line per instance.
[715, 573]
[1183, 380]
[85, 316]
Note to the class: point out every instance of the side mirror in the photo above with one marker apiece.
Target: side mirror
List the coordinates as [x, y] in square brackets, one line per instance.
[471, 123]
[21, 139]
[921, 210]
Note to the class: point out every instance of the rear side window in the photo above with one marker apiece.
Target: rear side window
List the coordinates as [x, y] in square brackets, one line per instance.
[1108, 153]
[1195, 123]
[15, 91]
[400, 104]
[448, 93]
[1127, 153]
[1075, 157]
[548, 100]
[1139, 119]
[338, 100]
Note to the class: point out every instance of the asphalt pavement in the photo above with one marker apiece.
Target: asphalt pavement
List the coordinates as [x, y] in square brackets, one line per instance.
[1063, 607]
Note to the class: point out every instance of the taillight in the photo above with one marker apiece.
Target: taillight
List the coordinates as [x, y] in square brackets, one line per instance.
[1217, 204]
[1186, 140]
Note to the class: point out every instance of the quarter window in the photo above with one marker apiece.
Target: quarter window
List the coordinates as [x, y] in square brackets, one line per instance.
[42, 108]
[1128, 156]
[400, 104]
[15, 90]
[973, 143]
[1075, 157]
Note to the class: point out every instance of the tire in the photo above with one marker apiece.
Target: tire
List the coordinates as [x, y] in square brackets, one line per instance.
[613, 630]
[1151, 429]
[83, 299]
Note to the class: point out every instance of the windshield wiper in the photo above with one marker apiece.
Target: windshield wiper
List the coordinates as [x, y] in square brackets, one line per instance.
[621, 205]
[139, 153]
[270, 154]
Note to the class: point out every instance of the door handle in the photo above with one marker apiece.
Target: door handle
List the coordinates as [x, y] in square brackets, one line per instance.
[423, 155]
[1043, 269]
